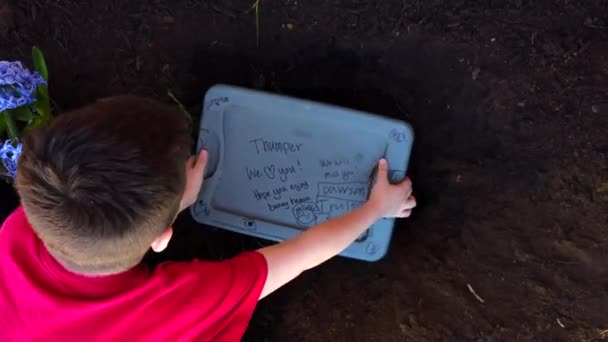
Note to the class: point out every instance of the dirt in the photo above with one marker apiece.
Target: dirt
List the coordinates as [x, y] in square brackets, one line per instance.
[509, 102]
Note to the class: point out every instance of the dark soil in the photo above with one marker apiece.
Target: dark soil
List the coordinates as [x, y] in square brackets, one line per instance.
[509, 101]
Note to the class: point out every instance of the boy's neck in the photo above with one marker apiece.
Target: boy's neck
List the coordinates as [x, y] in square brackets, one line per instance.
[81, 270]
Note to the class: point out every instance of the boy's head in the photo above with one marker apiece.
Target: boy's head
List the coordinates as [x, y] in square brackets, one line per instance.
[103, 183]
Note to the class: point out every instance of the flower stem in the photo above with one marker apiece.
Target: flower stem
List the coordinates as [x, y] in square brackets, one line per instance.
[11, 128]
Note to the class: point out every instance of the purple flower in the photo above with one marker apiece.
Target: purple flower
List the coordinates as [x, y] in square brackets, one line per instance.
[17, 85]
[11, 98]
[10, 155]
[22, 101]
[9, 72]
[14, 73]
[27, 80]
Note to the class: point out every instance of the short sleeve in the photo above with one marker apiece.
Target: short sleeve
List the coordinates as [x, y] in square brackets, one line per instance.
[230, 290]
[203, 300]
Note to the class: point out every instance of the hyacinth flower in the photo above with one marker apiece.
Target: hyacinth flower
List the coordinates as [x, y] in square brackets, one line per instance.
[24, 103]
[9, 155]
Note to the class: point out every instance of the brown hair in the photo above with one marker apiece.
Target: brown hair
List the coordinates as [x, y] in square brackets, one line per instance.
[100, 183]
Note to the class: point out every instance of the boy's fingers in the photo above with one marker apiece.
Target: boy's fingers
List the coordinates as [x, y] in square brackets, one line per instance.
[410, 203]
[190, 162]
[406, 184]
[383, 170]
[405, 213]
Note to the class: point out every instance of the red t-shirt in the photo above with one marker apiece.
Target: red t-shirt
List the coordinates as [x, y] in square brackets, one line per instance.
[179, 301]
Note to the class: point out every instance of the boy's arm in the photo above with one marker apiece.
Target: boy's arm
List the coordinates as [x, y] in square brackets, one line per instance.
[288, 259]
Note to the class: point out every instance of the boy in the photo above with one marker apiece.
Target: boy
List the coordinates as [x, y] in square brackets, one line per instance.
[100, 186]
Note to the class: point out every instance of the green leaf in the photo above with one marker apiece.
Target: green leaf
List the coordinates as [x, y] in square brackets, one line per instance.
[2, 127]
[33, 124]
[40, 63]
[23, 113]
[11, 128]
[42, 106]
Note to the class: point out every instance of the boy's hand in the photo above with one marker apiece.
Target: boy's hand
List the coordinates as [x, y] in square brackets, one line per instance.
[288, 259]
[195, 170]
[391, 200]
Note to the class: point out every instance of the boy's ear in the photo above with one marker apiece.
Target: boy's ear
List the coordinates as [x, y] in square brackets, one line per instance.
[160, 243]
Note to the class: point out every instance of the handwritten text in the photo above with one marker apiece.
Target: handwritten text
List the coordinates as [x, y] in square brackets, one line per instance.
[271, 146]
[282, 173]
